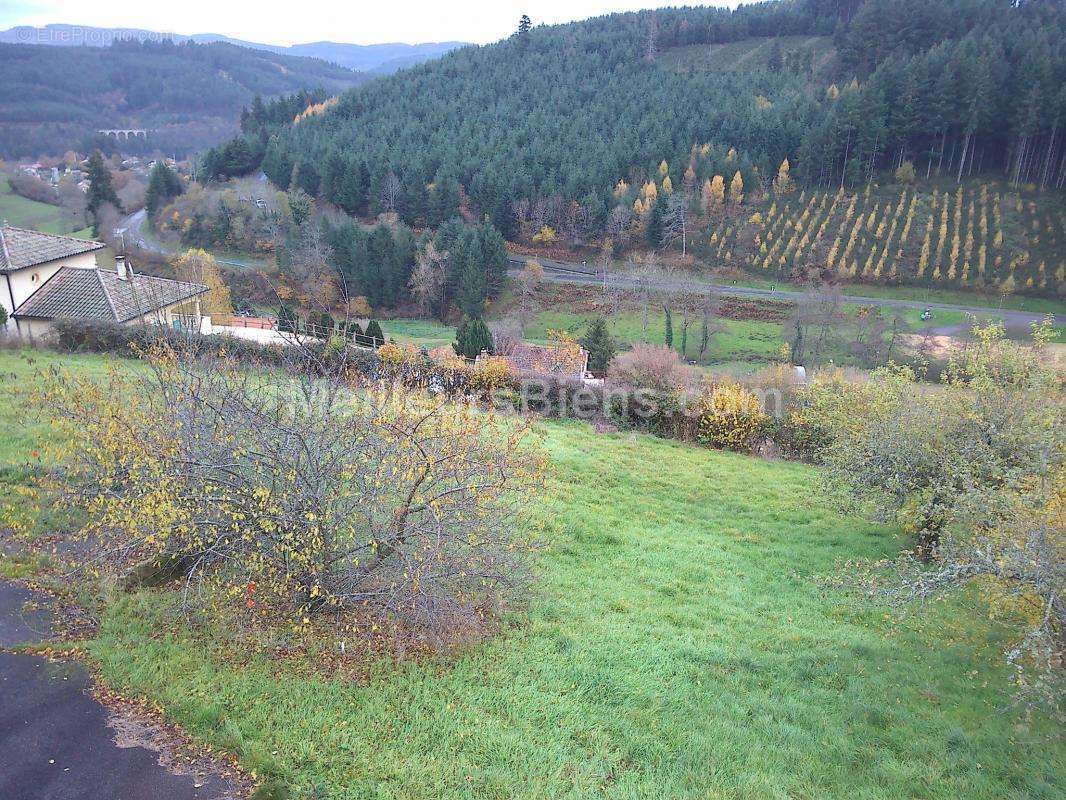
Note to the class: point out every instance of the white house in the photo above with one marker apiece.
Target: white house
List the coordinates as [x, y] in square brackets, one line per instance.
[56, 277]
[29, 258]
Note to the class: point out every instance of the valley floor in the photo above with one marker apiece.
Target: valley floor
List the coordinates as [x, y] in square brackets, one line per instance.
[679, 644]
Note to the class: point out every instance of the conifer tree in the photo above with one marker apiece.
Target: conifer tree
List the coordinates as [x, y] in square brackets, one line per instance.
[101, 189]
[472, 338]
[600, 345]
[783, 182]
[163, 185]
[374, 336]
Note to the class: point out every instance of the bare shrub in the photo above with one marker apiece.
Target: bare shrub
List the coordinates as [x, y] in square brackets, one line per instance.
[506, 335]
[288, 496]
[650, 366]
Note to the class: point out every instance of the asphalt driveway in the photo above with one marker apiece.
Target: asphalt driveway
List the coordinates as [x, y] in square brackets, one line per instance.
[59, 743]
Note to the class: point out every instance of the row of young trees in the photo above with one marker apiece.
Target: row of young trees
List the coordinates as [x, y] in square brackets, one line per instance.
[971, 236]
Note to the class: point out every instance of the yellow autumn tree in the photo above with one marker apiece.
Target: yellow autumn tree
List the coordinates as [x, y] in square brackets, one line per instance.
[199, 266]
[668, 185]
[717, 191]
[664, 168]
[783, 182]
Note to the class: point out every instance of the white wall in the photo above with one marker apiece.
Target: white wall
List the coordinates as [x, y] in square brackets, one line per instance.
[39, 328]
[28, 280]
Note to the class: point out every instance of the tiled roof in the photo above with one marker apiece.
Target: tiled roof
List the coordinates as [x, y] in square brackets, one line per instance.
[102, 294]
[20, 248]
[546, 359]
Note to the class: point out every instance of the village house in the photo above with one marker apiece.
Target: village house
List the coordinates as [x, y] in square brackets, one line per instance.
[45, 277]
[568, 362]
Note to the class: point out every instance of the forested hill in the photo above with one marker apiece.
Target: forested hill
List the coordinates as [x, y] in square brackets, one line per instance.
[190, 95]
[564, 113]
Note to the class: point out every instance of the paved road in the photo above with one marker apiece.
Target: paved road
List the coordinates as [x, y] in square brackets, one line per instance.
[131, 231]
[57, 742]
[566, 272]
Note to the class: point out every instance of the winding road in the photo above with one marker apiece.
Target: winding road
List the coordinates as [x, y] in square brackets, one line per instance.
[131, 232]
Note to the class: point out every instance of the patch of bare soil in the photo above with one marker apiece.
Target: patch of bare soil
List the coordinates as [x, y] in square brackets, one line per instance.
[585, 299]
[137, 723]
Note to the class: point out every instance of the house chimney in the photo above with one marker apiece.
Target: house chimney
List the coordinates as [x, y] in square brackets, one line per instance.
[121, 267]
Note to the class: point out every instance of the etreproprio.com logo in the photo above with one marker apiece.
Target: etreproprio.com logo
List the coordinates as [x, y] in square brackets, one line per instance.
[78, 35]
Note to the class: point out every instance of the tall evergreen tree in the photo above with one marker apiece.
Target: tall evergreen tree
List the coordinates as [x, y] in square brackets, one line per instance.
[600, 345]
[374, 336]
[472, 338]
[101, 189]
[163, 185]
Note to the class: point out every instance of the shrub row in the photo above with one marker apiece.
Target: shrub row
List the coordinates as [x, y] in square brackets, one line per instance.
[721, 414]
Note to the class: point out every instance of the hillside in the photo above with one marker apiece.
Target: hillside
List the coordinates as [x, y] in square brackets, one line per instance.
[188, 95]
[380, 59]
[566, 126]
[21, 212]
[975, 235]
[801, 53]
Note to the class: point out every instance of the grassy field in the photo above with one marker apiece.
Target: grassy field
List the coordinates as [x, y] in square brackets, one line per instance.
[924, 294]
[744, 54]
[23, 213]
[678, 645]
[750, 343]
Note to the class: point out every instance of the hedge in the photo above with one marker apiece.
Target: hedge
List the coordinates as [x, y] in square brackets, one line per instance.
[667, 415]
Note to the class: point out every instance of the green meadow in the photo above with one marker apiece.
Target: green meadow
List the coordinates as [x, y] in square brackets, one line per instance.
[681, 641]
[24, 213]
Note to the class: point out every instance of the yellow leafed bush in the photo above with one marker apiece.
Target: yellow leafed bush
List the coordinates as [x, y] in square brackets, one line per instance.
[730, 417]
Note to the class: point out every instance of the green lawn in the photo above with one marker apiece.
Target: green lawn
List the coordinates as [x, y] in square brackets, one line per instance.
[739, 340]
[753, 343]
[678, 645]
[23, 213]
[419, 332]
[747, 341]
[921, 294]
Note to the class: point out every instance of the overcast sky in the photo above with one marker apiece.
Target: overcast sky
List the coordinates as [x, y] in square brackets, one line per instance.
[359, 22]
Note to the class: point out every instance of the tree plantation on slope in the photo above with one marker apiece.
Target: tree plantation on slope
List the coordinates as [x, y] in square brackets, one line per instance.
[974, 236]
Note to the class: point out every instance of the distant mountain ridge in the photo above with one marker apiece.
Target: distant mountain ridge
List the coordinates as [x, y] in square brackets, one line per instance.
[380, 59]
[187, 95]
